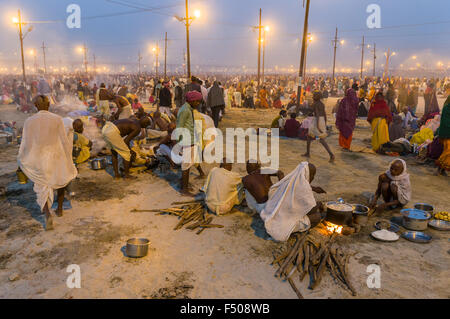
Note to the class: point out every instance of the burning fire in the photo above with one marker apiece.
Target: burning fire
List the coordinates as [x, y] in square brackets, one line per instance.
[332, 228]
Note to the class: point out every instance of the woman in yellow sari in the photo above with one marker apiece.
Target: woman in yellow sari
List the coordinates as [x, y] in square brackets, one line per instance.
[379, 117]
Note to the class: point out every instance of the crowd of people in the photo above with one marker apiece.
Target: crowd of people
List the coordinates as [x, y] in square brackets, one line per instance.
[115, 108]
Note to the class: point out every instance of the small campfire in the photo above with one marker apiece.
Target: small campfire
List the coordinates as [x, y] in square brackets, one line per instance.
[333, 228]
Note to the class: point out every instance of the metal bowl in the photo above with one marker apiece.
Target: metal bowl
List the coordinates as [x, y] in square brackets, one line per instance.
[360, 212]
[425, 207]
[384, 224]
[98, 163]
[137, 247]
[417, 237]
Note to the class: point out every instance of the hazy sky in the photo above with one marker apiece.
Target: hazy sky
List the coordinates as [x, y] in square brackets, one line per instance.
[223, 35]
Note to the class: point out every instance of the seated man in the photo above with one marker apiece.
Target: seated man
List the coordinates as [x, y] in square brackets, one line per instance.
[223, 188]
[394, 186]
[81, 142]
[257, 186]
[165, 145]
[292, 126]
[279, 122]
[291, 205]
[118, 135]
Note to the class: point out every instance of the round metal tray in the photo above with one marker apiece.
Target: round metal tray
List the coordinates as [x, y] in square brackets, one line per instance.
[439, 224]
[417, 237]
[384, 224]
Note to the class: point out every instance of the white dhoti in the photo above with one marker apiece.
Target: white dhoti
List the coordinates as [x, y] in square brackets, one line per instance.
[223, 190]
[103, 106]
[237, 98]
[155, 133]
[253, 204]
[165, 150]
[190, 157]
[126, 112]
[45, 155]
[114, 140]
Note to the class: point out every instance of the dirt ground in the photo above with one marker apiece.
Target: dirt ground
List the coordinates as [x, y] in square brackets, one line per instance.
[231, 262]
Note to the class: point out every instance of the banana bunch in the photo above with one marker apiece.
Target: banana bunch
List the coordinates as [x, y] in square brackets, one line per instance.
[443, 216]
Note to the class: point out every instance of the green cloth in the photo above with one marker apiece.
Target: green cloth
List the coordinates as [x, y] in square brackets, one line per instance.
[274, 123]
[185, 119]
[444, 127]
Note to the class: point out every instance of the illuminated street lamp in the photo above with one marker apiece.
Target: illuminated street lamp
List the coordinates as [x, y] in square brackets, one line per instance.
[155, 50]
[33, 53]
[263, 40]
[18, 21]
[187, 21]
[83, 50]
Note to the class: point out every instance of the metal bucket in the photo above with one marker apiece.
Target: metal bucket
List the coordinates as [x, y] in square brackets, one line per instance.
[415, 219]
[23, 179]
[137, 247]
[98, 163]
[360, 214]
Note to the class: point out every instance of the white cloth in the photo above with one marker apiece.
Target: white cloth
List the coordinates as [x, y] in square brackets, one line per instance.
[190, 157]
[223, 190]
[165, 110]
[402, 182]
[314, 128]
[253, 204]
[45, 155]
[289, 201]
[126, 112]
[165, 150]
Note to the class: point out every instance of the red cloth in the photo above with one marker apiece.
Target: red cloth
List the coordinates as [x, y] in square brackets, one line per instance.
[291, 128]
[379, 108]
[345, 142]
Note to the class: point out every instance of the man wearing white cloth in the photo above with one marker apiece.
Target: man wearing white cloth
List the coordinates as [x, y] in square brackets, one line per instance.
[291, 206]
[45, 157]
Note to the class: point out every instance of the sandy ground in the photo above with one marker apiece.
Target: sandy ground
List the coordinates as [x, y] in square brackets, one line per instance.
[232, 262]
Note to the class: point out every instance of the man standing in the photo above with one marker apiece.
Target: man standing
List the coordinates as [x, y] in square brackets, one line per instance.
[45, 157]
[215, 101]
[102, 97]
[185, 119]
[124, 110]
[165, 99]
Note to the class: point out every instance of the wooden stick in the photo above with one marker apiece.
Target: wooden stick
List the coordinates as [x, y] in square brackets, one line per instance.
[342, 271]
[320, 269]
[144, 210]
[296, 256]
[289, 257]
[203, 228]
[297, 292]
[280, 258]
[188, 202]
[211, 226]
[306, 263]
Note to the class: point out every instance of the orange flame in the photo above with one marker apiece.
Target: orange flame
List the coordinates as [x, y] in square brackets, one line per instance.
[332, 228]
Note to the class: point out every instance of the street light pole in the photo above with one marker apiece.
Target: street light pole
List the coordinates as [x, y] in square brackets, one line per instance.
[187, 42]
[334, 57]
[303, 53]
[85, 59]
[264, 53]
[139, 62]
[165, 56]
[45, 63]
[362, 59]
[259, 51]
[374, 58]
[21, 46]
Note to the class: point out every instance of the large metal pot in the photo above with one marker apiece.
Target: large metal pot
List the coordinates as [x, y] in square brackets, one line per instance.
[98, 163]
[415, 219]
[339, 216]
[137, 247]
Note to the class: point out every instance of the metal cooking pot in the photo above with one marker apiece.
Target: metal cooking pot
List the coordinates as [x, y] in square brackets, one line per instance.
[98, 163]
[415, 219]
[339, 217]
[360, 216]
[137, 247]
[425, 207]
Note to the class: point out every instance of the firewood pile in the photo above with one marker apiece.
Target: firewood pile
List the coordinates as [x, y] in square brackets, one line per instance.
[305, 255]
[192, 215]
